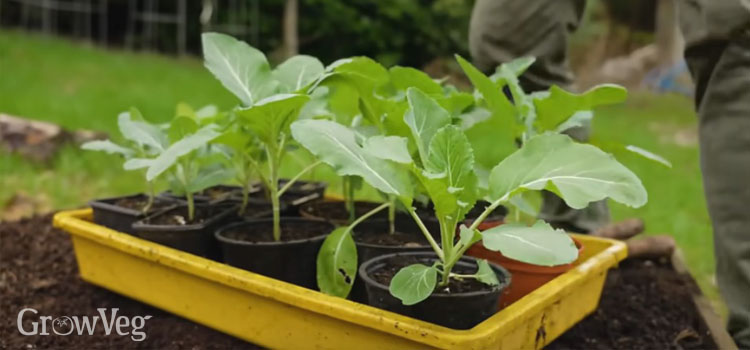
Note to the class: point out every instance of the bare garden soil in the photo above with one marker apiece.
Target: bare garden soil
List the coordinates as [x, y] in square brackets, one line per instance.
[645, 305]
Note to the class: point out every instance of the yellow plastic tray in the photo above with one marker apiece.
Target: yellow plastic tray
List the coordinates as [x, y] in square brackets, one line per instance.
[276, 314]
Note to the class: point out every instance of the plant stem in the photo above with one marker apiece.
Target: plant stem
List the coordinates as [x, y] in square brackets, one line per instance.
[368, 214]
[426, 233]
[296, 177]
[245, 197]
[191, 206]
[446, 241]
[273, 187]
[487, 211]
[151, 196]
[392, 214]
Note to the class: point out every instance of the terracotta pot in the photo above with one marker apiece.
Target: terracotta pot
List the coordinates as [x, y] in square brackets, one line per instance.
[526, 277]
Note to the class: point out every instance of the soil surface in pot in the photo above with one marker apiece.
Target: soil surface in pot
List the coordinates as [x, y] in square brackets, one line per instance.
[290, 231]
[397, 239]
[455, 285]
[337, 210]
[139, 202]
[645, 305]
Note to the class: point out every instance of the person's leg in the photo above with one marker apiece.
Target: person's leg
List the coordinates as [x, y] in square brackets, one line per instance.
[722, 73]
[502, 30]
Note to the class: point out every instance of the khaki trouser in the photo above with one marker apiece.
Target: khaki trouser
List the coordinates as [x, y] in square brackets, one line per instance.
[717, 34]
[502, 30]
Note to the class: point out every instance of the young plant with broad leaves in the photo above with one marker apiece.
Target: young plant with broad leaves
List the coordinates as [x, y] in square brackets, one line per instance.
[524, 115]
[184, 156]
[443, 166]
[141, 139]
[271, 99]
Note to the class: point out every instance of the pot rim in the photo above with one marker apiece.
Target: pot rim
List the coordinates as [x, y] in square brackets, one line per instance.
[218, 233]
[362, 272]
[102, 203]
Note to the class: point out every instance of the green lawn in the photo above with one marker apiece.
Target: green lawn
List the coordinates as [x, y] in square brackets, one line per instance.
[78, 86]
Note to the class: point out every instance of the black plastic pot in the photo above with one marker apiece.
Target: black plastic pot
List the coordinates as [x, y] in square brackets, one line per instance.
[292, 261]
[458, 311]
[367, 251]
[405, 225]
[195, 238]
[108, 214]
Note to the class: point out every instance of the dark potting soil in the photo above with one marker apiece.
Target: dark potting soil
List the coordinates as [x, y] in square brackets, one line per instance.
[38, 270]
[337, 210]
[140, 202]
[645, 305]
[455, 285]
[383, 237]
[290, 231]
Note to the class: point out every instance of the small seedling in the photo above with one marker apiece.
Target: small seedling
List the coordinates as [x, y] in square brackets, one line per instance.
[142, 140]
[270, 101]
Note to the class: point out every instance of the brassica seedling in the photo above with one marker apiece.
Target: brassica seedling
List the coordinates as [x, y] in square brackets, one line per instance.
[142, 140]
[270, 101]
[555, 110]
[191, 165]
[444, 166]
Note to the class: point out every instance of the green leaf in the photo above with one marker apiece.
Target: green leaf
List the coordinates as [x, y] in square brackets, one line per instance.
[364, 72]
[140, 132]
[579, 119]
[496, 102]
[524, 205]
[468, 237]
[485, 273]
[242, 69]
[493, 96]
[107, 146]
[451, 160]
[184, 123]
[517, 67]
[233, 139]
[560, 105]
[388, 147]
[414, 283]
[539, 244]
[407, 77]
[336, 145]
[473, 117]
[578, 173]
[456, 103]
[271, 116]
[180, 148]
[424, 117]
[137, 163]
[298, 72]
[337, 263]
[649, 155]
[209, 178]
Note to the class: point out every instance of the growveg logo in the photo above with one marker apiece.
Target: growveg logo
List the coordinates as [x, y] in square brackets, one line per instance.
[80, 325]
